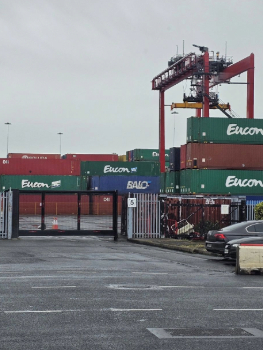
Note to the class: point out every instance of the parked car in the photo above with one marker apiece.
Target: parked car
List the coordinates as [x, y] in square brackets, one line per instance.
[231, 246]
[217, 239]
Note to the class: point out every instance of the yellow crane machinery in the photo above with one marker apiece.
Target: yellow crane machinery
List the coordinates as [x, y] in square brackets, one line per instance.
[199, 105]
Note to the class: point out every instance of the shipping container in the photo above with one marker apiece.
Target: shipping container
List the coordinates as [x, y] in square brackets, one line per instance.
[222, 182]
[38, 182]
[162, 182]
[183, 157]
[122, 158]
[34, 155]
[149, 154]
[67, 204]
[225, 130]
[174, 158]
[172, 182]
[15, 166]
[120, 168]
[92, 157]
[126, 184]
[194, 210]
[224, 156]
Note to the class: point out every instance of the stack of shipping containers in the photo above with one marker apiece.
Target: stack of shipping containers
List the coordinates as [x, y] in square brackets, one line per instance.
[222, 157]
[171, 178]
[38, 172]
[47, 172]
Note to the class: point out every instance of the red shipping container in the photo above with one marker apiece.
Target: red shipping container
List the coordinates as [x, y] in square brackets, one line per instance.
[183, 157]
[224, 156]
[93, 157]
[34, 155]
[16, 166]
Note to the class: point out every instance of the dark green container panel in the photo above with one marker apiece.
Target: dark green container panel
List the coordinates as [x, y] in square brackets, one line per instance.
[149, 154]
[41, 182]
[172, 182]
[162, 182]
[221, 182]
[120, 168]
[225, 130]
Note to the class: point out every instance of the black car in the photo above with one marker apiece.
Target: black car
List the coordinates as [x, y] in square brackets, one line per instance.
[217, 239]
[231, 246]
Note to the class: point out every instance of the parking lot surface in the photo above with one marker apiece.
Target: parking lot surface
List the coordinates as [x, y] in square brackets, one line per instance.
[94, 293]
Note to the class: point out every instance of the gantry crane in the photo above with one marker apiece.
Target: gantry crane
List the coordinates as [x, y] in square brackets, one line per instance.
[205, 72]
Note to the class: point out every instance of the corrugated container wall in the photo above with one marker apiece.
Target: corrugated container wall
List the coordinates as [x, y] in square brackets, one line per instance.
[223, 182]
[122, 158]
[92, 157]
[149, 154]
[120, 168]
[174, 158]
[15, 166]
[38, 182]
[126, 184]
[34, 155]
[172, 182]
[162, 182]
[183, 157]
[224, 130]
[224, 156]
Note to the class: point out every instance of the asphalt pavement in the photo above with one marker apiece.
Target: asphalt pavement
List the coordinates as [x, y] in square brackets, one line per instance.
[94, 293]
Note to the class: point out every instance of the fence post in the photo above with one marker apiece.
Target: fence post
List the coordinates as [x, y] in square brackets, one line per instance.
[129, 222]
[242, 211]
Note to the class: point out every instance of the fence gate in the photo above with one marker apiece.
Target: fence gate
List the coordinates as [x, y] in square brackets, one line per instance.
[6, 211]
[143, 216]
[68, 213]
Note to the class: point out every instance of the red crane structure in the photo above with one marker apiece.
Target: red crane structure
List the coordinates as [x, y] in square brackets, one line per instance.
[205, 72]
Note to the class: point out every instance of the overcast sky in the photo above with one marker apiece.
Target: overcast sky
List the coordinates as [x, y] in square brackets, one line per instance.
[84, 68]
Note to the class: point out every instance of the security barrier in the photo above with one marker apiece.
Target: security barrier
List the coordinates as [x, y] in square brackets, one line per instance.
[249, 259]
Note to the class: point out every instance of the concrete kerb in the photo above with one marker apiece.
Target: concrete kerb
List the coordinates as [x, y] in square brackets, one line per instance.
[193, 247]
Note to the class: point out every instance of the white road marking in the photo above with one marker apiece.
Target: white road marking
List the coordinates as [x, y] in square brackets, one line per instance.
[252, 287]
[25, 277]
[40, 311]
[53, 287]
[146, 287]
[238, 309]
[151, 273]
[181, 287]
[113, 309]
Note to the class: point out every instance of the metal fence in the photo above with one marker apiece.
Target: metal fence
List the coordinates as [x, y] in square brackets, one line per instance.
[143, 218]
[6, 202]
[201, 214]
[171, 216]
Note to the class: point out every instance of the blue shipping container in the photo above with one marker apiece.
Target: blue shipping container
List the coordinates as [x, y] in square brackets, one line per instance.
[126, 184]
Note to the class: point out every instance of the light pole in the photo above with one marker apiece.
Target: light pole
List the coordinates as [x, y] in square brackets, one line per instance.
[174, 112]
[60, 134]
[7, 136]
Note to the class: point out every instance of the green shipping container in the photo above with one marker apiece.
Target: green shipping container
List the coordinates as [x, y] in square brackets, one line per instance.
[222, 182]
[172, 182]
[120, 168]
[149, 154]
[225, 130]
[162, 182]
[41, 182]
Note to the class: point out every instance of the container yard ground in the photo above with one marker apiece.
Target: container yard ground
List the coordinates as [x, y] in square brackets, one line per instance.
[184, 245]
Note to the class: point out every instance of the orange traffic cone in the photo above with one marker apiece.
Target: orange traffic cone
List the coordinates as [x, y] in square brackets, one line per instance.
[55, 224]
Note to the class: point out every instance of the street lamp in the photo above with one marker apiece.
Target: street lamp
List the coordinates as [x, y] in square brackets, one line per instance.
[7, 136]
[60, 134]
